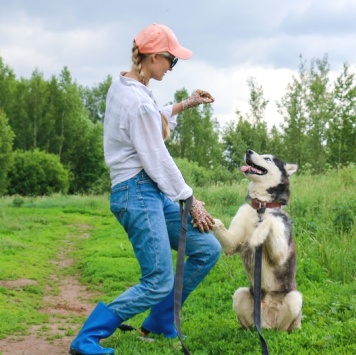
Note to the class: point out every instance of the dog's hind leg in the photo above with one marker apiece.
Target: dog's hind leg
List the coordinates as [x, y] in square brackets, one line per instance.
[243, 306]
[290, 314]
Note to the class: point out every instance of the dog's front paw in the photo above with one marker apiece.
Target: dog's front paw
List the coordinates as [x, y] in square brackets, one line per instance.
[218, 224]
[260, 234]
[256, 240]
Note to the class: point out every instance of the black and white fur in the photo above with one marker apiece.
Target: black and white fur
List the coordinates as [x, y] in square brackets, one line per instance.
[281, 306]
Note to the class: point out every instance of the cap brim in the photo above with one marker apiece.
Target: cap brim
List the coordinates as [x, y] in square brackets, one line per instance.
[181, 52]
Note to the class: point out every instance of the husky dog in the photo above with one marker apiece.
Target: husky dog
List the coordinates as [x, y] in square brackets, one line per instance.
[261, 221]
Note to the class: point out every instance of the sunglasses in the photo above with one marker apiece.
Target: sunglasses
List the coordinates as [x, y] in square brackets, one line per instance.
[172, 60]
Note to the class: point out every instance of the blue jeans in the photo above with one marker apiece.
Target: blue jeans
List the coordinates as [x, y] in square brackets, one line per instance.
[152, 223]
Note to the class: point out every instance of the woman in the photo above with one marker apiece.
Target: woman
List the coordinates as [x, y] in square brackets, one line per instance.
[146, 185]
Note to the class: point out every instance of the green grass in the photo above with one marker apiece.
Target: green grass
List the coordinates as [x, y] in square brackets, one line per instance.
[323, 209]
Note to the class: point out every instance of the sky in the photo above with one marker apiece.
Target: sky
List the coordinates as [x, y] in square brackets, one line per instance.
[232, 41]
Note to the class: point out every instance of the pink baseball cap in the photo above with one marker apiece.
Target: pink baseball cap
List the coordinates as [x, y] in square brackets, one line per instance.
[159, 38]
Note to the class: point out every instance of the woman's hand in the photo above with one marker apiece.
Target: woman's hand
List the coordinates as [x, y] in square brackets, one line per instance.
[202, 218]
[198, 97]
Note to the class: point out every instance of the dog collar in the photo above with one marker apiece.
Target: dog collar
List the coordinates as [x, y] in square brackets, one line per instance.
[257, 204]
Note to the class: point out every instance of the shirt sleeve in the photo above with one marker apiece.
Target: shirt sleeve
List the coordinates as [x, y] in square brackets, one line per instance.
[146, 135]
[167, 111]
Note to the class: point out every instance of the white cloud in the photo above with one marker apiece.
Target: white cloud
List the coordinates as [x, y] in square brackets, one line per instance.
[228, 86]
[231, 41]
[89, 53]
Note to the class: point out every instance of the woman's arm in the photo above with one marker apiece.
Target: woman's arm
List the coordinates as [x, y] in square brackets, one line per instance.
[198, 97]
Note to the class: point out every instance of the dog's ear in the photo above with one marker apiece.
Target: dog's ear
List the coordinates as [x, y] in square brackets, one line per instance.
[291, 169]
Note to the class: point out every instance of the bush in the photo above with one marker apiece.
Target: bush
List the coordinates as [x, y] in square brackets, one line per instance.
[197, 176]
[193, 174]
[18, 201]
[36, 173]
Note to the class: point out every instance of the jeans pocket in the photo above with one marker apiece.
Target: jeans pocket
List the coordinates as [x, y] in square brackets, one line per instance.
[119, 200]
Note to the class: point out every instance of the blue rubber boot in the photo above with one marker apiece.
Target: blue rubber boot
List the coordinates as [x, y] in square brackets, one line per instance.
[101, 323]
[161, 318]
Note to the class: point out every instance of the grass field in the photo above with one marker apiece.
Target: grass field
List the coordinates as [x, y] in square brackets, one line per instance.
[323, 209]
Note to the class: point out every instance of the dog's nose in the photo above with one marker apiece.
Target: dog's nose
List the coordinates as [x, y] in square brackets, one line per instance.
[249, 151]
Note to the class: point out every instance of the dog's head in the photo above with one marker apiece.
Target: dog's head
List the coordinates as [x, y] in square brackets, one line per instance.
[269, 177]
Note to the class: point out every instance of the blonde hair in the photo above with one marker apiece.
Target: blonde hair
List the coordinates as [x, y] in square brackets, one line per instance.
[136, 60]
[166, 132]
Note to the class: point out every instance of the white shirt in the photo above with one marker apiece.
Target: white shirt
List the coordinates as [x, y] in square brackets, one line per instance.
[133, 138]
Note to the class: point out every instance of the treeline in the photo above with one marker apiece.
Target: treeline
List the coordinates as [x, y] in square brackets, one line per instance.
[51, 131]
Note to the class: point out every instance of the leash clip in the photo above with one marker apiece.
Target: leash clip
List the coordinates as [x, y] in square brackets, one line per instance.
[261, 205]
[261, 208]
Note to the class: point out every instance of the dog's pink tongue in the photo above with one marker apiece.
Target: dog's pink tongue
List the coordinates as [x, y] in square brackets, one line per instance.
[250, 170]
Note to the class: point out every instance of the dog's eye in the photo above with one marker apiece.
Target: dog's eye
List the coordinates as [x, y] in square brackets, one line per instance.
[268, 159]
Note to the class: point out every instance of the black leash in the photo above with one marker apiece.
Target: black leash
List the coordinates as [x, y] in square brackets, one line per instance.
[257, 298]
[178, 283]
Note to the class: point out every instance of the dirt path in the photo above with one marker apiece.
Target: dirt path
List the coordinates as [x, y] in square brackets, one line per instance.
[72, 300]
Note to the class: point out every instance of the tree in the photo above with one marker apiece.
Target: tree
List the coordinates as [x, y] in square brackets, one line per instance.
[294, 111]
[19, 118]
[235, 141]
[69, 115]
[7, 87]
[275, 143]
[94, 99]
[318, 102]
[196, 136]
[250, 132]
[50, 116]
[35, 114]
[257, 102]
[51, 140]
[306, 108]
[79, 139]
[36, 106]
[341, 132]
[87, 159]
[6, 139]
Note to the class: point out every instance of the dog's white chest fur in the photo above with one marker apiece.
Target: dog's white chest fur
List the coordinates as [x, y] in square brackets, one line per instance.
[270, 230]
